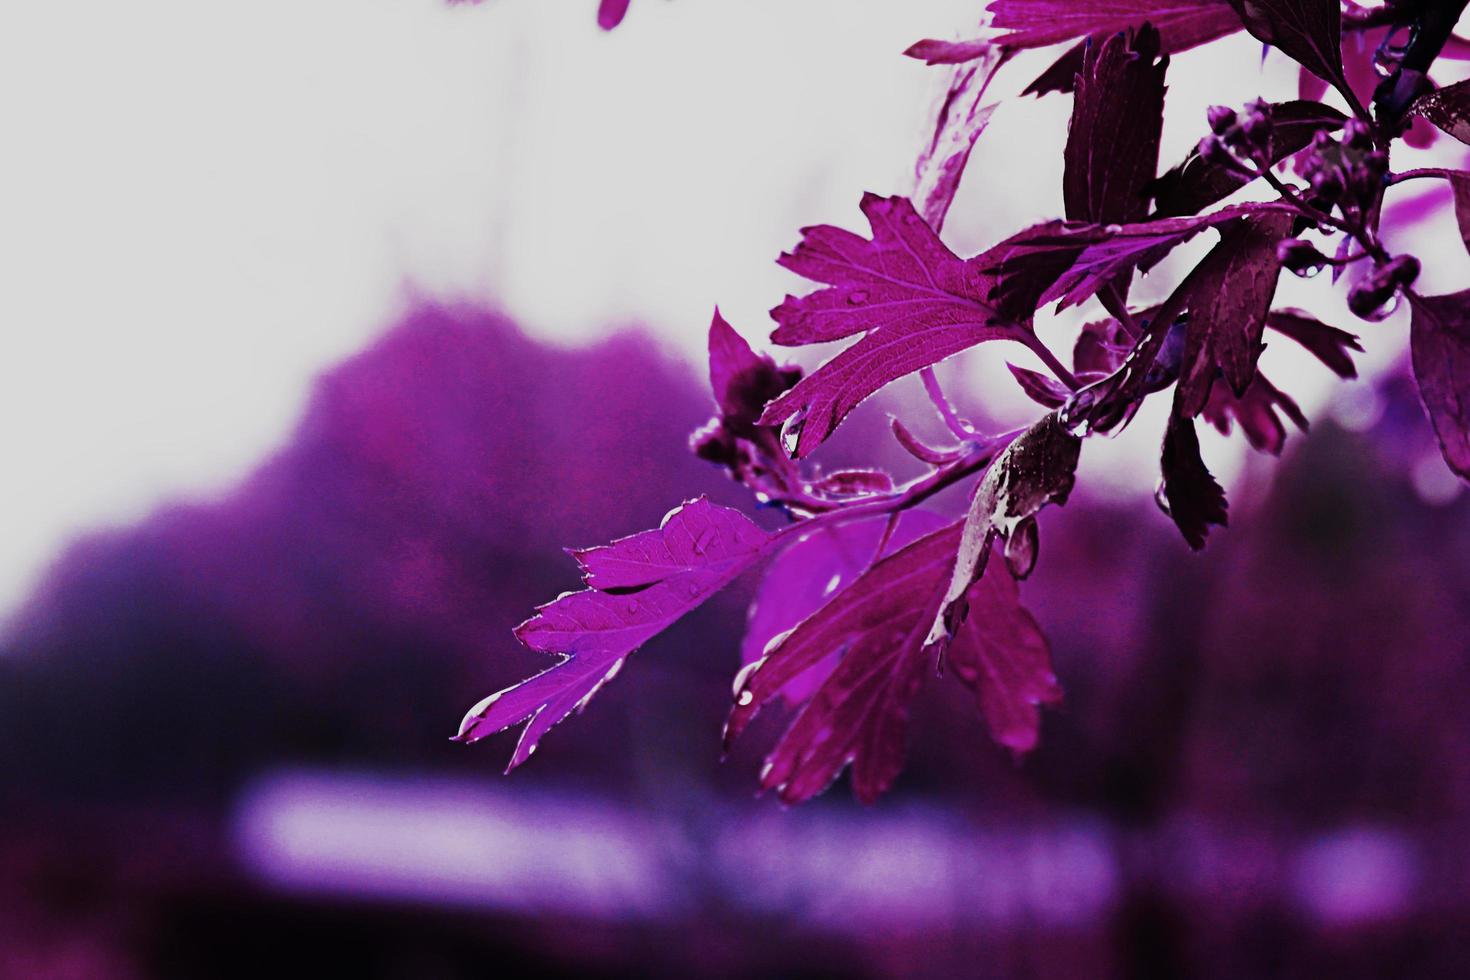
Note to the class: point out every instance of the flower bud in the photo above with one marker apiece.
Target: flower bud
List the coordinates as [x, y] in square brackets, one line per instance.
[1257, 129]
[714, 443]
[1327, 185]
[1300, 256]
[1220, 118]
[1402, 270]
[1356, 135]
[1212, 150]
[1375, 164]
[1369, 297]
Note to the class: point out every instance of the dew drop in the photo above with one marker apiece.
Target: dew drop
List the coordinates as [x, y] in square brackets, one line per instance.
[1311, 271]
[791, 434]
[1388, 309]
[631, 606]
[857, 297]
[832, 584]
[742, 678]
[745, 698]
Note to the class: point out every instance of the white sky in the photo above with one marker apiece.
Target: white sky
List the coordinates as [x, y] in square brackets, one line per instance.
[204, 204]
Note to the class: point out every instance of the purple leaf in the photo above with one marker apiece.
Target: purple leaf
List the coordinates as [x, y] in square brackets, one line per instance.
[1188, 492]
[1230, 295]
[810, 572]
[1112, 150]
[859, 715]
[1037, 469]
[1195, 184]
[932, 52]
[695, 537]
[960, 121]
[1003, 656]
[1439, 344]
[1255, 411]
[1448, 108]
[1039, 23]
[610, 13]
[662, 574]
[1328, 344]
[1308, 31]
[916, 300]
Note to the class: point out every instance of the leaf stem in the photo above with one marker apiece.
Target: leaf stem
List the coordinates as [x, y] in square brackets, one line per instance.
[1057, 368]
[961, 428]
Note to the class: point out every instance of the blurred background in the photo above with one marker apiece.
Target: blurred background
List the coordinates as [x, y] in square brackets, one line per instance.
[328, 325]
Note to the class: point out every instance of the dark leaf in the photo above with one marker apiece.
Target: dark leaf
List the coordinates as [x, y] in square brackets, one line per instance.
[1037, 469]
[1003, 656]
[652, 579]
[1195, 184]
[1112, 151]
[1439, 342]
[1448, 108]
[1460, 186]
[1308, 31]
[1039, 387]
[1188, 492]
[1229, 298]
[1328, 344]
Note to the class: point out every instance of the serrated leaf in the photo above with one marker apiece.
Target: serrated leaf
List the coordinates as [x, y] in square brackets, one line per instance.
[916, 301]
[659, 576]
[1229, 299]
[1188, 493]
[807, 574]
[859, 714]
[1439, 345]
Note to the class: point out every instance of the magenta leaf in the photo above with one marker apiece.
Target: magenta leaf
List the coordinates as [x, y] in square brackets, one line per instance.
[1037, 469]
[1328, 344]
[1307, 31]
[1230, 296]
[610, 13]
[641, 585]
[932, 52]
[1255, 412]
[1195, 184]
[807, 574]
[1439, 345]
[1112, 151]
[916, 300]
[859, 714]
[961, 120]
[1188, 493]
[1039, 23]
[1448, 108]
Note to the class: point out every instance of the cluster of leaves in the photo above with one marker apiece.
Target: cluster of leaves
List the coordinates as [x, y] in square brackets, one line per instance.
[864, 591]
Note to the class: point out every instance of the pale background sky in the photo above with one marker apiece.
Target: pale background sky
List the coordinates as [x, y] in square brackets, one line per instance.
[205, 204]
